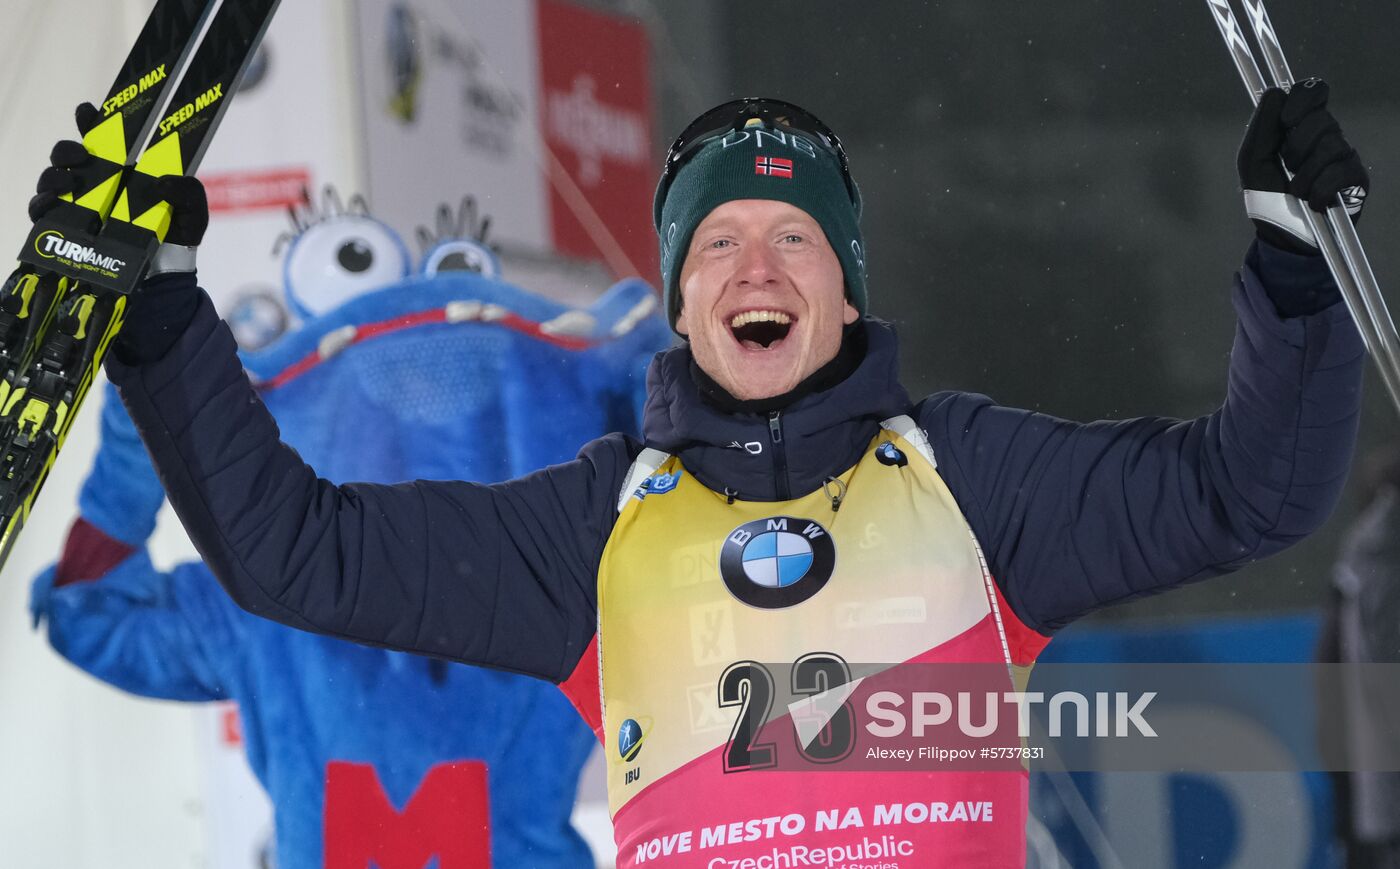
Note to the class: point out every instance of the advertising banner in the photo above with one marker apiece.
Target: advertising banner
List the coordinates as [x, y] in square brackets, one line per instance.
[540, 110]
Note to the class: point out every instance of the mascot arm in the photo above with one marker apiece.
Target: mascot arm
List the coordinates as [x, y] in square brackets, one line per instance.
[107, 608]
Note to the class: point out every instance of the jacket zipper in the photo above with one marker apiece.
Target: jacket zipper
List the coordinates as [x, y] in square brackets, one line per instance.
[775, 431]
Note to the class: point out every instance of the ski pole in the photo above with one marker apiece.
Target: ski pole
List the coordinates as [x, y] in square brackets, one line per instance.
[1337, 239]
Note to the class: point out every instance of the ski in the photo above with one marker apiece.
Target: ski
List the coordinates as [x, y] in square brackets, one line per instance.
[105, 261]
[1343, 247]
[30, 295]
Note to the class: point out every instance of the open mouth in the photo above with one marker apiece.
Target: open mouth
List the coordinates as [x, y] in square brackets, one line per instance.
[760, 330]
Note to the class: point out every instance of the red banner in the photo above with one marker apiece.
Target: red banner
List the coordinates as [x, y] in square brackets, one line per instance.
[255, 191]
[595, 109]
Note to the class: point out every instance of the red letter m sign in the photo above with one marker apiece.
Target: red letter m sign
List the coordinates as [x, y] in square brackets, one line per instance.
[447, 817]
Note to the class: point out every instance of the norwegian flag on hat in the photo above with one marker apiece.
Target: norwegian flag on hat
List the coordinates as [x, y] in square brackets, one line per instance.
[778, 167]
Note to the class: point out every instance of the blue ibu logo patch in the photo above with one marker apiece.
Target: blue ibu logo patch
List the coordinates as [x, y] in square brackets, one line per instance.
[659, 484]
[777, 562]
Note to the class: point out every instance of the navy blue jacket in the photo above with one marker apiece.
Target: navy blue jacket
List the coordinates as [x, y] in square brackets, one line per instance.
[1072, 517]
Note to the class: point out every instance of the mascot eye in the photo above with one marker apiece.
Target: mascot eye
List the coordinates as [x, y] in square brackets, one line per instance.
[460, 255]
[355, 256]
[340, 259]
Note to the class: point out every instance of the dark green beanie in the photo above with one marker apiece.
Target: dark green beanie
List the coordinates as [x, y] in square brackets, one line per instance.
[761, 163]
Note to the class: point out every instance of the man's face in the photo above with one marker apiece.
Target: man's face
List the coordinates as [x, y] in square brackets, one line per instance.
[763, 298]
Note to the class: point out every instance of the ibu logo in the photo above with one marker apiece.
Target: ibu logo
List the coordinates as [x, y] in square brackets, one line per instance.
[658, 484]
[630, 737]
[777, 562]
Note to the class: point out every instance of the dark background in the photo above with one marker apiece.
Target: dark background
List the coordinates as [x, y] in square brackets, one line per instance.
[1052, 213]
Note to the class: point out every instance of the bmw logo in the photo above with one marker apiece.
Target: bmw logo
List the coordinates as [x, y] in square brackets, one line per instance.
[629, 740]
[257, 318]
[890, 455]
[777, 562]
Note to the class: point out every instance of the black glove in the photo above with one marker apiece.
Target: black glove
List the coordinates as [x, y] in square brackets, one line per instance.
[189, 208]
[70, 163]
[163, 307]
[1297, 126]
[168, 299]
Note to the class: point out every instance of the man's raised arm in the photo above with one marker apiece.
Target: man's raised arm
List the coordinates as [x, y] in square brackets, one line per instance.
[1076, 517]
[499, 575]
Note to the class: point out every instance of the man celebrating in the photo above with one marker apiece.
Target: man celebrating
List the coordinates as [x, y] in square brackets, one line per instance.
[788, 481]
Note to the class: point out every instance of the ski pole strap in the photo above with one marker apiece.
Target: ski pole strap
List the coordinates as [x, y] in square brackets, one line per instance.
[172, 258]
[1280, 210]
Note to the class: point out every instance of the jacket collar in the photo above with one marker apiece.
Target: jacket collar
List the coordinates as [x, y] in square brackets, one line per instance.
[822, 434]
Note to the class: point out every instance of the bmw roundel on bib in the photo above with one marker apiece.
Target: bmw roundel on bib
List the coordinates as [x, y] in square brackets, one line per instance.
[777, 562]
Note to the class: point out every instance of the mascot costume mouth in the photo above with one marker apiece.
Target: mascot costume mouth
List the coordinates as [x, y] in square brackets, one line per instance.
[393, 371]
[449, 373]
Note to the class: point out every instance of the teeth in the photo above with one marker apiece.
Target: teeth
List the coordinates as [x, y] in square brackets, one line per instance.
[463, 310]
[638, 313]
[333, 342]
[572, 324]
[759, 317]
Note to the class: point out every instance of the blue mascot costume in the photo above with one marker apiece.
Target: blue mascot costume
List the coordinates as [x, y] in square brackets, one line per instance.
[372, 758]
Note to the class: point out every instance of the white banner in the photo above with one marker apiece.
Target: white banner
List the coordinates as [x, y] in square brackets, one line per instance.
[289, 127]
[448, 104]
